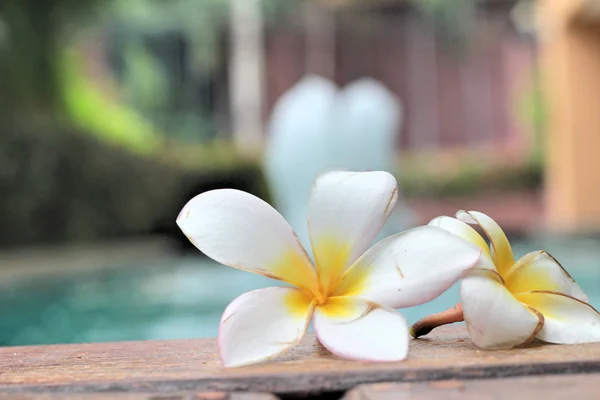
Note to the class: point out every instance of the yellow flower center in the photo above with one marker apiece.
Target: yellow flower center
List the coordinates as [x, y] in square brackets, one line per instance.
[330, 282]
[332, 257]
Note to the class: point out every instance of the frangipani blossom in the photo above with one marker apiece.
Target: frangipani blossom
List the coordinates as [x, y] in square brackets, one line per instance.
[507, 303]
[351, 290]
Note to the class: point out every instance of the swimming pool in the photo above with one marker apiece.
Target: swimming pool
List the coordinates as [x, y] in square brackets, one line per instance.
[184, 298]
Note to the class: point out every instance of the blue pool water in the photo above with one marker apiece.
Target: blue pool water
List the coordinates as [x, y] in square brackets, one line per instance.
[184, 298]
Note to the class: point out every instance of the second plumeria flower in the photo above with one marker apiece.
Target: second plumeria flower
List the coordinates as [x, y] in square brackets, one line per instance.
[351, 290]
[506, 303]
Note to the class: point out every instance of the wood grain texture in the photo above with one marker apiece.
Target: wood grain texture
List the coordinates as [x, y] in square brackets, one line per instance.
[177, 366]
[580, 387]
[138, 396]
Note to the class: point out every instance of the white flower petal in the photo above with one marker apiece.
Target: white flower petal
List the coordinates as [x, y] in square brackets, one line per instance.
[567, 320]
[501, 250]
[409, 268]
[463, 230]
[538, 270]
[262, 323]
[494, 317]
[242, 231]
[346, 211]
[356, 329]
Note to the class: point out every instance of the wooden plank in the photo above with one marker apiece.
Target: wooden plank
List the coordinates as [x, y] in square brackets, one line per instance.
[193, 365]
[580, 387]
[138, 396]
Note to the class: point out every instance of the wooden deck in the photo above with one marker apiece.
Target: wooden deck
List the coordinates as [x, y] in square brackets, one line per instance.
[182, 369]
[579, 386]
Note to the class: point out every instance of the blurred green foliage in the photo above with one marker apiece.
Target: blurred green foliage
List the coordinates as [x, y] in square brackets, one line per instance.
[453, 21]
[531, 110]
[61, 185]
[31, 34]
[78, 162]
[108, 120]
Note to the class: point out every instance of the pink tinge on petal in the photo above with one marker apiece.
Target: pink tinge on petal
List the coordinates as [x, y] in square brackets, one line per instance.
[182, 214]
[261, 324]
[363, 332]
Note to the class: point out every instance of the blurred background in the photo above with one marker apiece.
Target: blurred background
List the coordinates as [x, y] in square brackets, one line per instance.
[114, 113]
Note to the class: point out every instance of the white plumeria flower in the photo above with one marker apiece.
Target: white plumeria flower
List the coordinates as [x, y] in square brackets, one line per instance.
[507, 303]
[351, 290]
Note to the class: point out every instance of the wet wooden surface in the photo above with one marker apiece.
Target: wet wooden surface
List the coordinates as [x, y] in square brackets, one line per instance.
[579, 386]
[191, 366]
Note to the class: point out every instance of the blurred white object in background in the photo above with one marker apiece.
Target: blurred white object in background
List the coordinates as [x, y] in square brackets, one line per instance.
[296, 148]
[524, 18]
[367, 119]
[314, 128]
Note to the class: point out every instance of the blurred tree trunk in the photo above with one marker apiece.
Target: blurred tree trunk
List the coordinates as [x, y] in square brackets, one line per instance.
[30, 32]
[319, 25]
[26, 56]
[247, 74]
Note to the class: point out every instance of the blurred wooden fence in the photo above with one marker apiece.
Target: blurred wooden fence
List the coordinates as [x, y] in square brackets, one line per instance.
[468, 94]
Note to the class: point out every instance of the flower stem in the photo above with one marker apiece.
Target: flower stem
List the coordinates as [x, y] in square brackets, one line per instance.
[423, 326]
